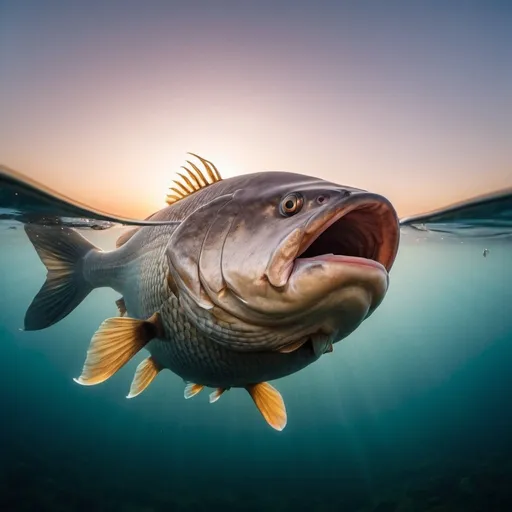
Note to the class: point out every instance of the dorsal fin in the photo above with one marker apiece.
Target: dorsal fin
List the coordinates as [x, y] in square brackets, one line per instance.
[193, 180]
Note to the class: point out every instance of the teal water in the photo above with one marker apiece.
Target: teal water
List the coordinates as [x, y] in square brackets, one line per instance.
[412, 412]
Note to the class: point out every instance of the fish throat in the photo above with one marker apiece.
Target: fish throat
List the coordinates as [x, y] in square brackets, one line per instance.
[365, 232]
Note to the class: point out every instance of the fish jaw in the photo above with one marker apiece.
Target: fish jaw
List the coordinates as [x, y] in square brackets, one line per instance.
[373, 236]
[335, 269]
[350, 290]
[331, 273]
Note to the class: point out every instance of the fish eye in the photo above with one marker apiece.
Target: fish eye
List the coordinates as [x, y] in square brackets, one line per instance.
[291, 204]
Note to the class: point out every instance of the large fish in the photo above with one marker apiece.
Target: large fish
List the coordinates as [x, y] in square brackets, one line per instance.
[254, 278]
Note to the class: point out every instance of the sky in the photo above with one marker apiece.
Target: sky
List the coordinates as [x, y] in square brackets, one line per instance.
[101, 101]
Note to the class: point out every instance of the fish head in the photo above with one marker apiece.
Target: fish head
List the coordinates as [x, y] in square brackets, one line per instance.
[288, 253]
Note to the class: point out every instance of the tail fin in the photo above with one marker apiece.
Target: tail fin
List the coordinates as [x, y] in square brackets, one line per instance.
[62, 251]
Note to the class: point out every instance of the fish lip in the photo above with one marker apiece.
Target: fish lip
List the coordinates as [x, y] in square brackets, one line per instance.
[368, 229]
[346, 260]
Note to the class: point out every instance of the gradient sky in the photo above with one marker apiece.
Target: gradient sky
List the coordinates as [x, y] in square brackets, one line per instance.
[102, 100]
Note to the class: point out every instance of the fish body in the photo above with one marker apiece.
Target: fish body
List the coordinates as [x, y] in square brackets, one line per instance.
[141, 279]
[139, 272]
[254, 278]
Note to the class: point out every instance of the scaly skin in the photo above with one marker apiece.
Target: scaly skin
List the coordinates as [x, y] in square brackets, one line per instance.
[195, 358]
[141, 277]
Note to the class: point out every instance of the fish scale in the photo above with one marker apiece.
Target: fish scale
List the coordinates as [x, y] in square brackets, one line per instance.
[196, 358]
[185, 350]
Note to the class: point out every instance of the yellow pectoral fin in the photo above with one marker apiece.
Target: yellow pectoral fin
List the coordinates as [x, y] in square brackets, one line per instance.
[270, 403]
[115, 342]
[144, 375]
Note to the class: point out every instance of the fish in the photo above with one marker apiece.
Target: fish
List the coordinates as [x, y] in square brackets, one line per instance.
[254, 278]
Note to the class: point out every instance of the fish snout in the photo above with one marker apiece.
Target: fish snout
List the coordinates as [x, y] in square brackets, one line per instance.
[340, 272]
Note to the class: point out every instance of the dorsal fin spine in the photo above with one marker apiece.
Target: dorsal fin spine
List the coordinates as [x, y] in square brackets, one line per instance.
[198, 174]
[193, 176]
[178, 193]
[183, 190]
[210, 171]
[171, 198]
[195, 179]
[210, 168]
[188, 183]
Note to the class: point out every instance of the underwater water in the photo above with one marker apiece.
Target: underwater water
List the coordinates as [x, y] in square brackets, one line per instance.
[411, 412]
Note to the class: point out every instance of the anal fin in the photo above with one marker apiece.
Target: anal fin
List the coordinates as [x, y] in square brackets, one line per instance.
[115, 342]
[215, 395]
[144, 375]
[192, 389]
[270, 403]
[121, 306]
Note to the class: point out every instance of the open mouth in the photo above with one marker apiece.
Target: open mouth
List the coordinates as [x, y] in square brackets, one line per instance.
[364, 231]
[360, 230]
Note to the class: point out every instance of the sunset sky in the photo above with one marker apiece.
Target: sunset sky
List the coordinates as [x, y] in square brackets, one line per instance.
[102, 100]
